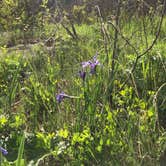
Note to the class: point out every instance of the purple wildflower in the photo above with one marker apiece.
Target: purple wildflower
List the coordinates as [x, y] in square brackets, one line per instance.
[60, 97]
[82, 74]
[85, 64]
[93, 66]
[3, 151]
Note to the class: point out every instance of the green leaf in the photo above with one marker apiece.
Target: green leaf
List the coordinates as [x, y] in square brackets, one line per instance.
[150, 113]
[20, 161]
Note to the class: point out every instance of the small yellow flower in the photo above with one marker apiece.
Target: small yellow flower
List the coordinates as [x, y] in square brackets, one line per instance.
[63, 133]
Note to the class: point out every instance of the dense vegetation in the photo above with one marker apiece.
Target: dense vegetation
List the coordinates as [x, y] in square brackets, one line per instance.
[82, 83]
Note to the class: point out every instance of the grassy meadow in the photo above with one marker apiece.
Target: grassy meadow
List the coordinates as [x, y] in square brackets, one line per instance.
[62, 103]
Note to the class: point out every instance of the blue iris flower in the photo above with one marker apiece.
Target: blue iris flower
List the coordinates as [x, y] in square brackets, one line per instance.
[85, 64]
[82, 74]
[3, 151]
[92, 64]
[61, 96]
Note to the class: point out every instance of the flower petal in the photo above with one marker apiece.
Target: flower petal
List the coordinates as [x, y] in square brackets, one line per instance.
[4, 151]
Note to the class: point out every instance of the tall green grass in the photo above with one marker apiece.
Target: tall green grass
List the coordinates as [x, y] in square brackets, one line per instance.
[83, 130]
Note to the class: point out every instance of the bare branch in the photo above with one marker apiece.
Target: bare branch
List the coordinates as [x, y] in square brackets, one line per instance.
[149, 48]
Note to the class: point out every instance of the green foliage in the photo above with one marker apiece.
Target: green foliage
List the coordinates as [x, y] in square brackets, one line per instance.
[84, 128]
[20, 160]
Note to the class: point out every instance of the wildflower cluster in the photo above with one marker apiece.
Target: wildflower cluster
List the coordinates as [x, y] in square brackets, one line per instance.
[92, 64]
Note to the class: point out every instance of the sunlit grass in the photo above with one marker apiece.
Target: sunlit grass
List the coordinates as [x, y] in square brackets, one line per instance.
[82, 128]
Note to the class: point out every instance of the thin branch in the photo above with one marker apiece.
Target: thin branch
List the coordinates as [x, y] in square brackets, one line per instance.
[124, 38]
[114, 54]
[104, 32]
[149, 48]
